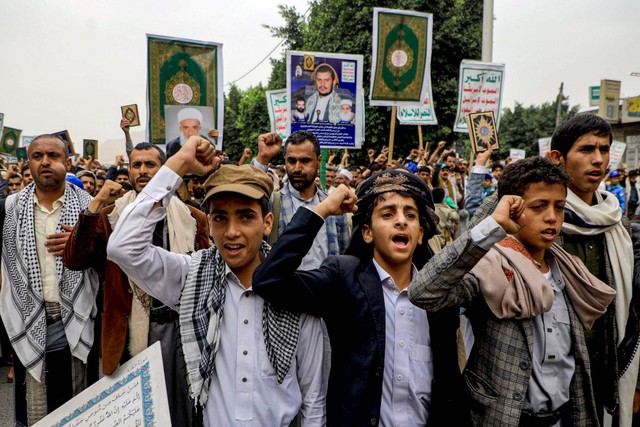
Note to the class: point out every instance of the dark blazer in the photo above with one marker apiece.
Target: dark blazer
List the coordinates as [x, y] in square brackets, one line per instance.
[87, 247]
[346, 292]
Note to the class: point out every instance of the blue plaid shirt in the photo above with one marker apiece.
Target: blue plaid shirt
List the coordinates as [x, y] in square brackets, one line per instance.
[337, 230]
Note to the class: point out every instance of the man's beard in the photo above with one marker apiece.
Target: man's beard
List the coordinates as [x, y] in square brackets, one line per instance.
[326, 94]
[183, 139]
[347, 117]
[300, 184]
[198, 193]
[300, 109]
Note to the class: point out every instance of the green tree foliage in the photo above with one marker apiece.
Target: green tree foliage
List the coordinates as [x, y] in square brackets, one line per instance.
[523, 126]
[341, 26]
[246, 117]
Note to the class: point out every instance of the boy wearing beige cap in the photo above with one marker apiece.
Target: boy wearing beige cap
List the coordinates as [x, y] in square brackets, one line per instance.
[249, 363]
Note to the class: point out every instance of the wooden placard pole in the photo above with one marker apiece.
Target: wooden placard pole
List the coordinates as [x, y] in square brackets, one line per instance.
[392, 134]
[420, 145]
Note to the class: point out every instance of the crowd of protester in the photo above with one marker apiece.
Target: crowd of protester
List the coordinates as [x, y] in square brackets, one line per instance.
[433, 288]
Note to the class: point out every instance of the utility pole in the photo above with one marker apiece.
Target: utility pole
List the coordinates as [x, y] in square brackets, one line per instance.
[487, 31]
[559, 101]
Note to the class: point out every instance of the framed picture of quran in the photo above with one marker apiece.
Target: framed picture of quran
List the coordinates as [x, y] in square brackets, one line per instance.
[482, 131]
[64, 135]
[130, 112]
[90, 148]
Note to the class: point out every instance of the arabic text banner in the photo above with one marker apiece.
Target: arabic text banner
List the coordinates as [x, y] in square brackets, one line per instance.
[279, 113]
[401, 57]
[182, 72]
[479, 90]
[325, 97]
[417, 115]
[134, 395]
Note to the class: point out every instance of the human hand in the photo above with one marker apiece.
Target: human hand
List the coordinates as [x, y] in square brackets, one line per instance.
[268, 146]
[247, 152]
[483, 157]
[108, 194]
[509, 213]
[341, 200]
[125, 124]
[441, 145]
[119, 160]
[55, 242]
[196, 157]
[214, 133]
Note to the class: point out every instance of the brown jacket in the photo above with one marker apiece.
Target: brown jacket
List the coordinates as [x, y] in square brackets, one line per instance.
[87, 247]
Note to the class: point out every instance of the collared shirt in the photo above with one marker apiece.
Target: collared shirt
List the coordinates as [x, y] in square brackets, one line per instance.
[243, 389]
[553, 363]
[320, 248]
[408, 366]
[45, 223]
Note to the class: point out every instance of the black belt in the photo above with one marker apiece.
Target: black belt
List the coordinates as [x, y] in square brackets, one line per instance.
[163, 315]
[542, 419]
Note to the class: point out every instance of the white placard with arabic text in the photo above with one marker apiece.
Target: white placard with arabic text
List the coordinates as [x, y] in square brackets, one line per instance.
[479, 90]
[278, 111]
[134, 395]
[615, 154]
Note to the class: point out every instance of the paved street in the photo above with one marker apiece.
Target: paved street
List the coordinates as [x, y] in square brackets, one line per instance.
[6, 399]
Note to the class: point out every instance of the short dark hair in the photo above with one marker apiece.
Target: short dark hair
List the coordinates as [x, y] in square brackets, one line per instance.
[50, 136]
[569, 131]
[438, 195]
[300, 137]
[24, 167]
[520, 174]
[122, 171]
[449, 154]
[147, 146]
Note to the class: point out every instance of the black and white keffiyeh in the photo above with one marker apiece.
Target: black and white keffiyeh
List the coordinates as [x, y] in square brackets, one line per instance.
[201, 317]
[21, 301]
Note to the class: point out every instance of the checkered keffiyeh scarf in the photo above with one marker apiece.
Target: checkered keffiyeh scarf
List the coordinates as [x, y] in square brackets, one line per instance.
[201, 317]
[21, 301]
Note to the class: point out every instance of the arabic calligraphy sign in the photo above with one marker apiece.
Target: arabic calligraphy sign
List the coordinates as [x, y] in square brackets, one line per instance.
[480, 90]
[134, 395]
[416, 115]
[278, 111]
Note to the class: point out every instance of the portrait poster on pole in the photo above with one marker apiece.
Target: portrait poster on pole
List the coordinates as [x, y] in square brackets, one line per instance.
[278, 111]
[134, 395]
[401, 57]
[325, 97]
[479, 90]
[184, 73]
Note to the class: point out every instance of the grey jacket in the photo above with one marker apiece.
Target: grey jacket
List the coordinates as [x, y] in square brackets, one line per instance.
[500, 365]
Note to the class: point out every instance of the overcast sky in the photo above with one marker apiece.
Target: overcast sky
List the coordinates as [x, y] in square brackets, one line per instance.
[71, 64]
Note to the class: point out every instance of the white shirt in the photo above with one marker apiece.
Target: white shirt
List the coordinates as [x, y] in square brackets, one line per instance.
[45, 223]
[408, 365]
[321, 106]
[243, 389]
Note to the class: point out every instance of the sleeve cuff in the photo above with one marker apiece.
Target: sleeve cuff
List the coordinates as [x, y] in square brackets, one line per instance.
[315, 213]
[487, 233]
[162, 186]
[480, 169]
[259, 165]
